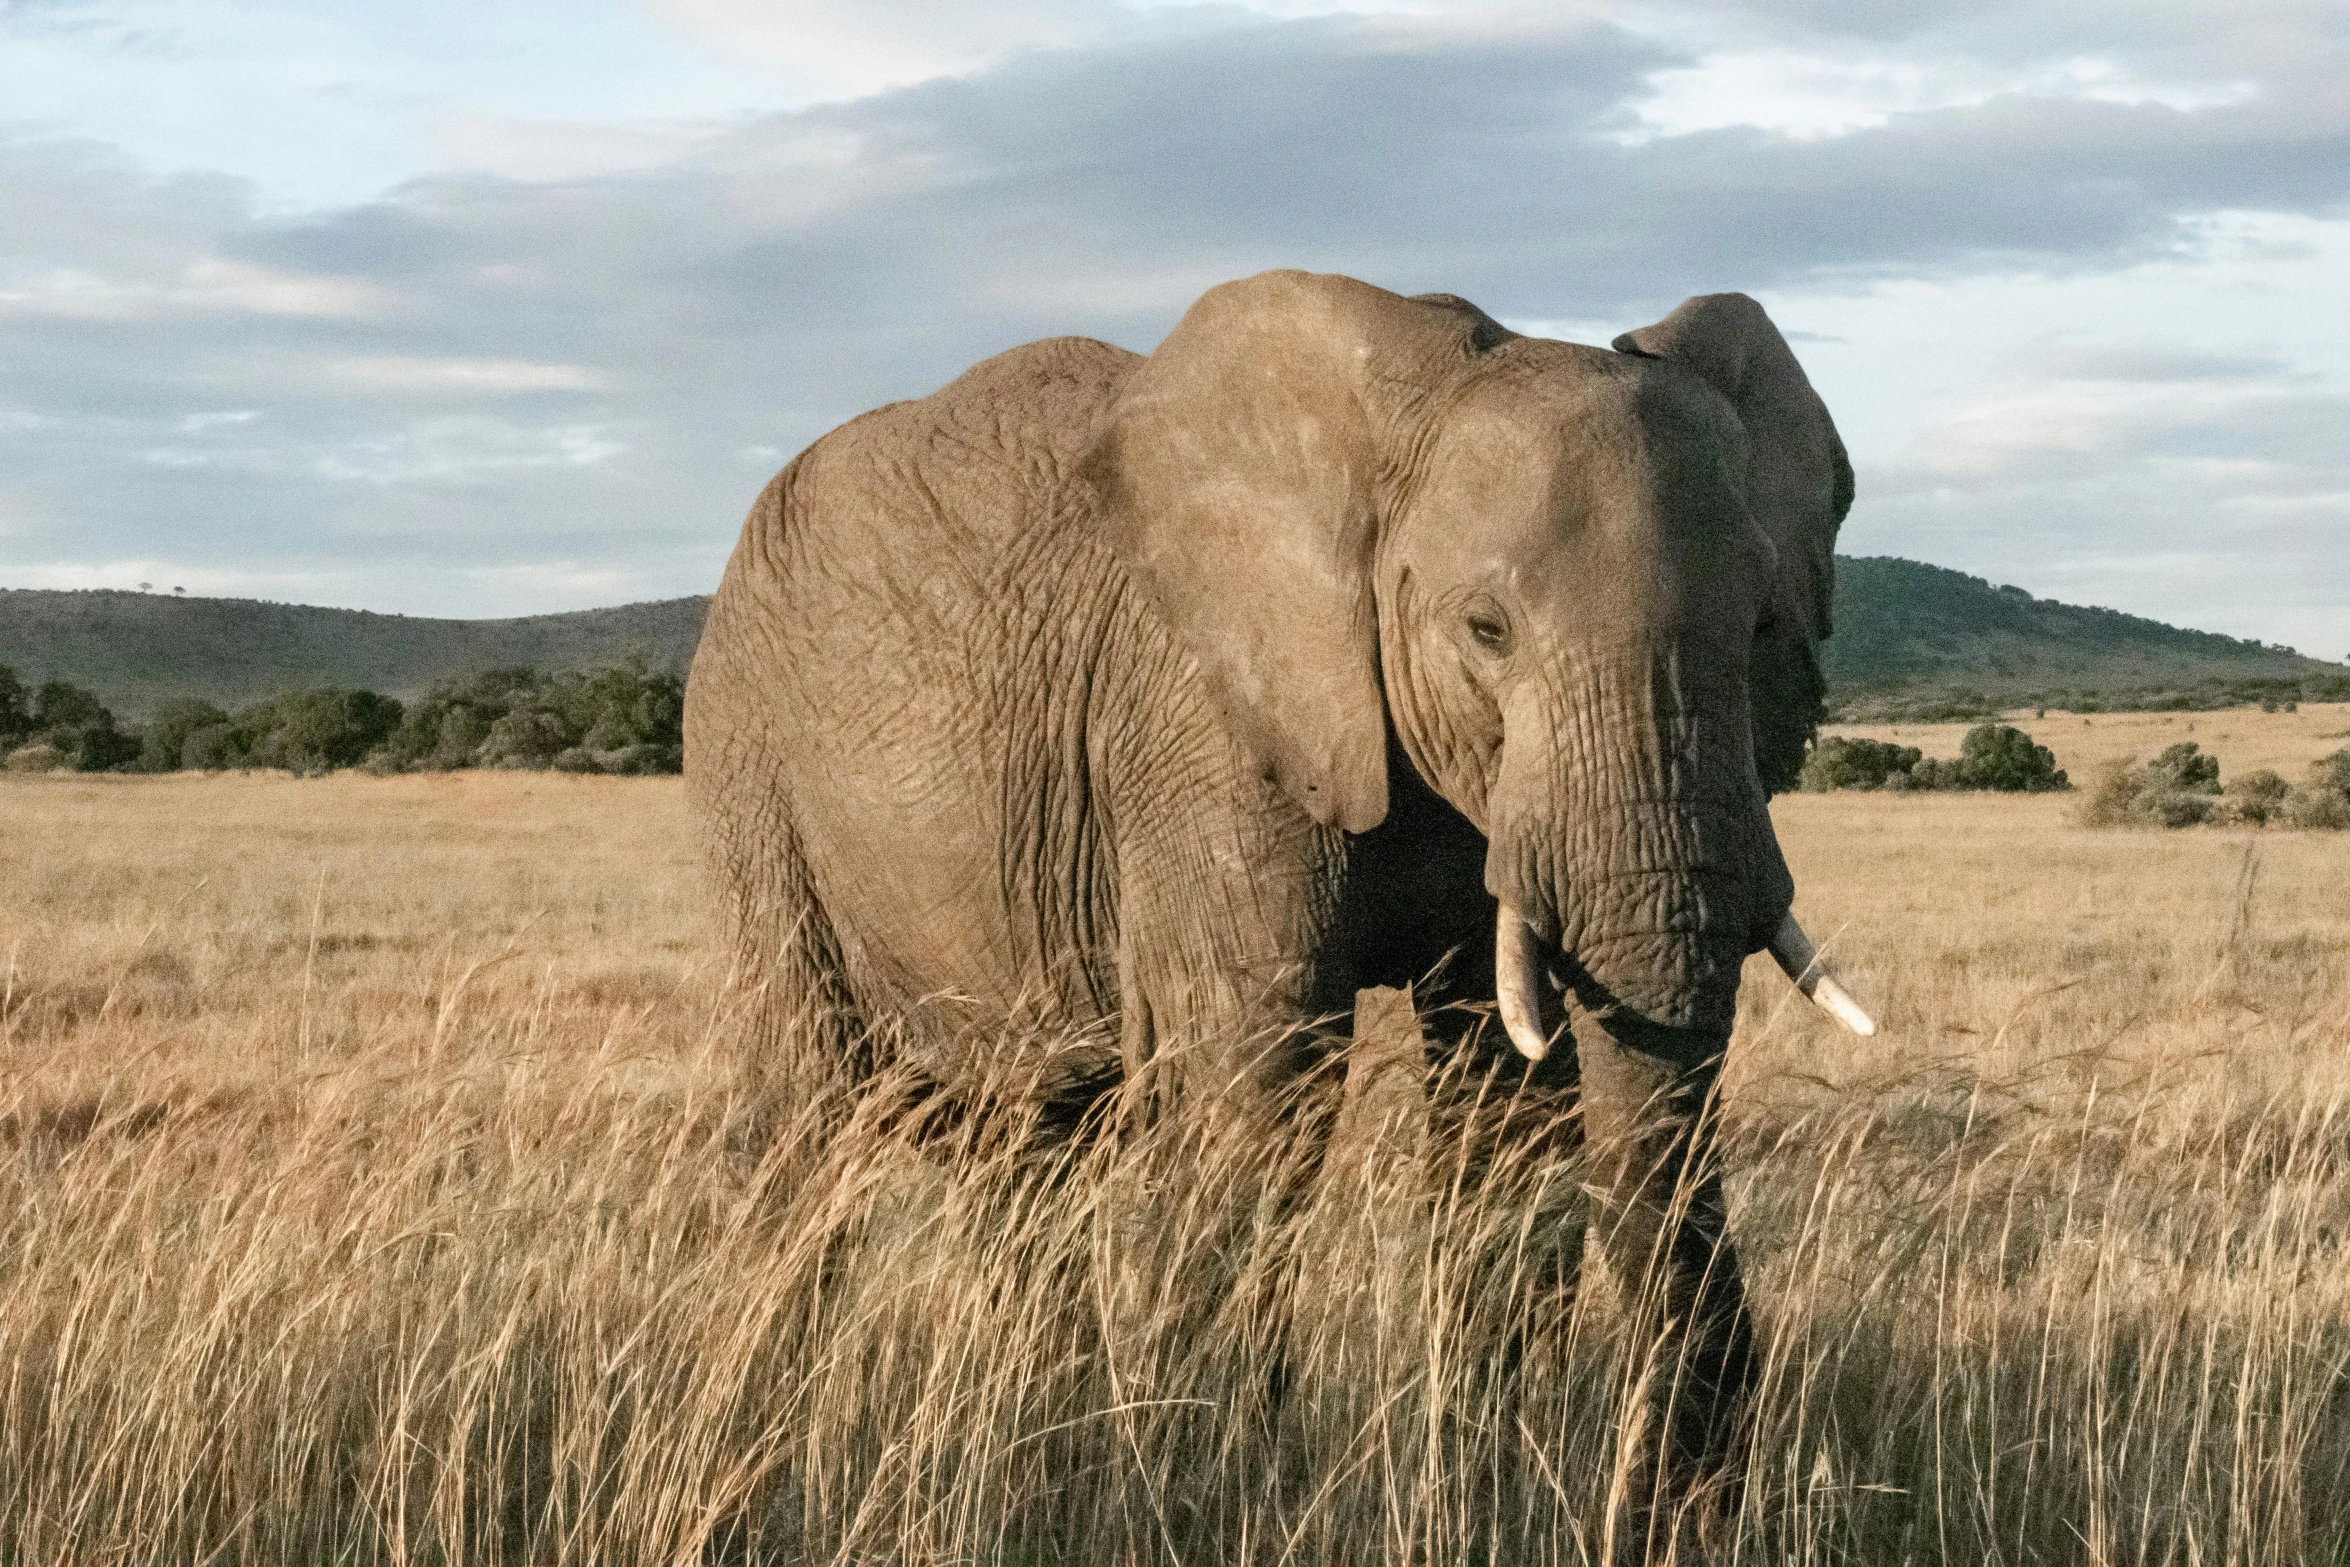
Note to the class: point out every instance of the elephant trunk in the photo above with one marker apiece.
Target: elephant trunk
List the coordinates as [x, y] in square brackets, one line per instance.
[1632, 852]
[1631, 849]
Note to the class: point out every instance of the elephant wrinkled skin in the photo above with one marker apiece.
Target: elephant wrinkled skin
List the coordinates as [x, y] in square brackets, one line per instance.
[1181, 696]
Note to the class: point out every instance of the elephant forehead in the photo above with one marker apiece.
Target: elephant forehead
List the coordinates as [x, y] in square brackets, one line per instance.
[1604, 474]
[1573, 437]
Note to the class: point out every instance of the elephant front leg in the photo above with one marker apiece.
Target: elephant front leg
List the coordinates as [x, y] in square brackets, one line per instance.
[1650, 1115]
[1224, 908]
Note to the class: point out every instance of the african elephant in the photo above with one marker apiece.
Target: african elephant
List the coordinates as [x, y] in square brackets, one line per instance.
[1346, 640]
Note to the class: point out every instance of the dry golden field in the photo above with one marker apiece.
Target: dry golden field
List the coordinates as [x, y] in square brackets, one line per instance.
[383, 1183]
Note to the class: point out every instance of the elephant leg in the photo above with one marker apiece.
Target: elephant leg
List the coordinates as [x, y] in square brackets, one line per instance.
[1651, 1121]
[804, 1024]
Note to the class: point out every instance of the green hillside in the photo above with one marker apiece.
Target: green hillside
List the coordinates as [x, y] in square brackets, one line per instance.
[136, 650]
[1911, 641]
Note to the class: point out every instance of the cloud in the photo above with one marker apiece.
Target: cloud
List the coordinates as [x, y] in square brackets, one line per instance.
[325, 102]
[588, 356]
[465, 450]
[493, 377]
[208, 284]
[1809, 96]
[2203, 488]
[828, 50]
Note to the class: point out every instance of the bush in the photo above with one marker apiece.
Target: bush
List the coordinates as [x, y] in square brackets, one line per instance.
[1995, 757]
[315, 731]
[2183, 767]
[303, 732]
[2332, 772]
[2317, 809]
[213, 749]
[2003, 758]
[39, 757]
[64, 719]
[2181, 788]
[163, 744]
[624, 719]
[16, 711]
[525, 737]
[2324, 802]
[2257, 798]
[1841, 763]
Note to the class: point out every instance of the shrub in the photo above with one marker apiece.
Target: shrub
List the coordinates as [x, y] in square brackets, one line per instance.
[2257, 798]
[2332, 772]
[623, 719]
[1996, 757]
[214, 748]
[313, 731]
[1842, 763]
[2183, 767]
[2003, 758]
[16, 711]
[2308, 809]
[2317, 809]
[525, 737]
[1931, 775]
[163, 744]
[60, 704]
[2113, 802]
[39, 757]
[2324, 802]
[74, 723]
[2181, 788]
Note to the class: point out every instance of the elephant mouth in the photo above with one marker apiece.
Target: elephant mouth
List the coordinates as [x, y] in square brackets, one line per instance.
[1518, 966]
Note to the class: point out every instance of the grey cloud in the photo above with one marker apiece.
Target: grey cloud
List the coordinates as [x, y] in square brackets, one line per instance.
[810, 265]
[2160, 365]
[2204, 495]
[2174, 40]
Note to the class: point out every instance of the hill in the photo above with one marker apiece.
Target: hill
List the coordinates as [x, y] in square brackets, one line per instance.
[138, 649]
[1919, 641]
[1912, 642]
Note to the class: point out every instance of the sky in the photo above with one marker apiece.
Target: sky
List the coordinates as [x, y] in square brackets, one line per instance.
[512, 306]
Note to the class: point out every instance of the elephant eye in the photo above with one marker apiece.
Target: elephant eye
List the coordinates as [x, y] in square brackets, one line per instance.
[1490, 630]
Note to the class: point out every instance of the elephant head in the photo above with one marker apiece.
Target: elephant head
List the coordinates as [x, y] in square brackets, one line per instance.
[1583, 587]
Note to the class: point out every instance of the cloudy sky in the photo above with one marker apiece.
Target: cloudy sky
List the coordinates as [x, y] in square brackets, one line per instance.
[486, 307]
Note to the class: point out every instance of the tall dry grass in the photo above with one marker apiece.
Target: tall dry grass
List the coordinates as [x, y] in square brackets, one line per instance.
[382, 1182]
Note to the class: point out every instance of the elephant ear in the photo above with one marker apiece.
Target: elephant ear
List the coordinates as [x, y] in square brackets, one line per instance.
[1241, 478]
[1798, 487]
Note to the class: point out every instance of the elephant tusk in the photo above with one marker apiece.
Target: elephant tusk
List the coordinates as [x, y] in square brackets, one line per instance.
[1801, 960]
[1517, 977]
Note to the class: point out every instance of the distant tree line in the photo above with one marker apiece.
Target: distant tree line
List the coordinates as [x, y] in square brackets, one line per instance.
[1996, 757]
[1955, 704]
[623, 718]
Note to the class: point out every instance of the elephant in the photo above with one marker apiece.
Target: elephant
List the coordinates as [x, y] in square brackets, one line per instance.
[1346, 640]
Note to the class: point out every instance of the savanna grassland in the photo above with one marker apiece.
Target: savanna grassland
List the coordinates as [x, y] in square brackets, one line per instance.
[2242, 738]
[381, 1180]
